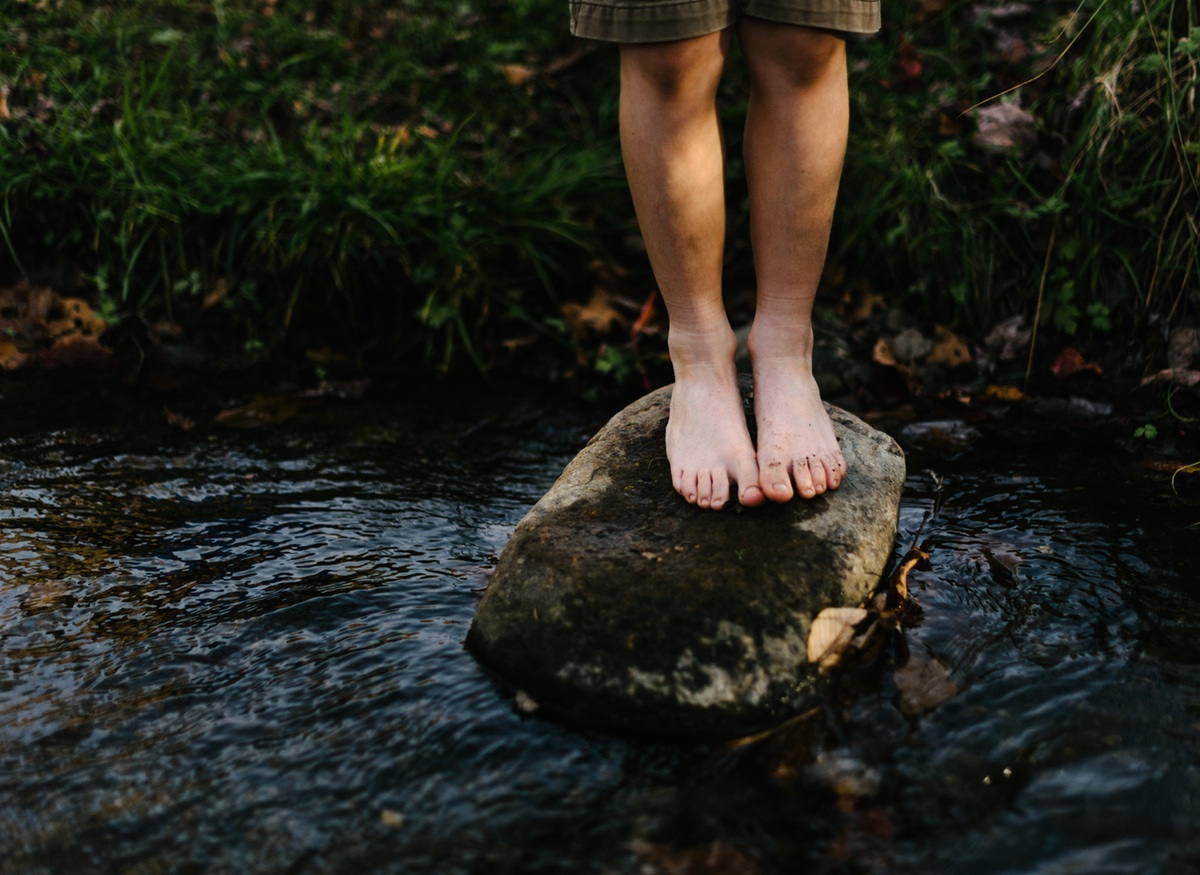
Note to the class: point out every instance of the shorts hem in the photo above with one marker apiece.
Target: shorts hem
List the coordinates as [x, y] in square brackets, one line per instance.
[639, 21]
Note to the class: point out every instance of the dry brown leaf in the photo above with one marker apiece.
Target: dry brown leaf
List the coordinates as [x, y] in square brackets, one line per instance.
[263, 410]
[1069, 362]
[178, 420]
[4, 113]
[74, 352]
[596, 316]
[1186, 379]
[518, 74]
[1004, 393]
[1183, 347]
[219, 292]
[831, 631]
[78, 317]
[949, 349]
[11, 358]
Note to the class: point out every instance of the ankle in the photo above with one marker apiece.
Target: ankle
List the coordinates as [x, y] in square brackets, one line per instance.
[706, 348]
[776, 341]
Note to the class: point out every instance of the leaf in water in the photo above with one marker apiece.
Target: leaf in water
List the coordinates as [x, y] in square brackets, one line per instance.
[924, 683]
[830, 632]
[390, 818]
[896, 592]
[525, 703]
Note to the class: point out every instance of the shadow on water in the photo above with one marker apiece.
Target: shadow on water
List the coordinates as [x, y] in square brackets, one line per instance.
[242, 651]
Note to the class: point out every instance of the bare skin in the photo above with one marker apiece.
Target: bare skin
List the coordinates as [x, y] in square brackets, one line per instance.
[674, 158]
[795, 140]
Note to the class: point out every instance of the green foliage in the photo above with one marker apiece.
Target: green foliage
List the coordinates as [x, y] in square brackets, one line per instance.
[368, 163]
[1103, 191]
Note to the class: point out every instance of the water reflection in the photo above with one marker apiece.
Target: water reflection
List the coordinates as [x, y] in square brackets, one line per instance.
[243, 651]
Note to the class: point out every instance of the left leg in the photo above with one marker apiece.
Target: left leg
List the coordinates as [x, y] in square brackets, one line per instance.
[795, 142]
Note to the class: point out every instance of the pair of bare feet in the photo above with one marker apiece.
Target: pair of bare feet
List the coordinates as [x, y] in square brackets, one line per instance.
[709, 448]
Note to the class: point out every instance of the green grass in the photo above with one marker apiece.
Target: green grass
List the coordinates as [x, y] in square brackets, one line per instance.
[1099, 210]
[371, 175]
[362, 163]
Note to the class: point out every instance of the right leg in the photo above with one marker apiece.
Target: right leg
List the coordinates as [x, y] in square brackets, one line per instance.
[674, 158]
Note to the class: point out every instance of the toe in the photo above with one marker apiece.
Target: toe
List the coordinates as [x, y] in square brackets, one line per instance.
[775, 483]
[750, 493]
[704, 489]
[833, 471]
[803, 477]
[720, 490]
[687, 486]
[816, 469]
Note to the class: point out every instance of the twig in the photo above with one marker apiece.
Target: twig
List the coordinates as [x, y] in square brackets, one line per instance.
[1037, 313]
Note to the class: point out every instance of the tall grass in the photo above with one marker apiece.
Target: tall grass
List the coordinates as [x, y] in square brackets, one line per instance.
[1098, 209]
[368, 165]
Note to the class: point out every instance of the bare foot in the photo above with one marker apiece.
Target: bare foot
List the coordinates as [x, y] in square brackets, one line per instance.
[796, 442]
[708, 444]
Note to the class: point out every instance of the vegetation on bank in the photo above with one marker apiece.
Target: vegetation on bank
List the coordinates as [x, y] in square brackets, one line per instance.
[441, 179]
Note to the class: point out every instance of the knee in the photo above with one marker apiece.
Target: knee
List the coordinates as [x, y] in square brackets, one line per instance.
[794, 58]
[679, 71]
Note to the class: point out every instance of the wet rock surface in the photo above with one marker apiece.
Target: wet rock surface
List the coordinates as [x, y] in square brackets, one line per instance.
[618, 604]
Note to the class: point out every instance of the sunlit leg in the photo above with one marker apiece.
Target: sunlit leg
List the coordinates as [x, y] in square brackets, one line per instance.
[795, 142]
[671, 142]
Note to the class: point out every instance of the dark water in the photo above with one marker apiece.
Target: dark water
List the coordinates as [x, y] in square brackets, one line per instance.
[241, 651]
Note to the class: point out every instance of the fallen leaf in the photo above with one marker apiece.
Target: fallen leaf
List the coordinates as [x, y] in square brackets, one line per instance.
[949, 349]
[1183, 347]
[178, 420]
[390, 818]
[11, 358]
[263, 410]
[924, 683]
[1005, 126]
[74, 352]
[597, 316]
[525, 703]
[4, 113]
[1070, 362]
[908, 63]
[77, 317]
[830, 632]
[1186, 379]
[518, 74]
[1004, 393]
[218, 293]
[895, 594]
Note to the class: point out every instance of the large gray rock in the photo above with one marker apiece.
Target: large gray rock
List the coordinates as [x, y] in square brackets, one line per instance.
[617, 603]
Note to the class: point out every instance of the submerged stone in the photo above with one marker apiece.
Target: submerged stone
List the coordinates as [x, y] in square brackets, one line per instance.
[617, 603]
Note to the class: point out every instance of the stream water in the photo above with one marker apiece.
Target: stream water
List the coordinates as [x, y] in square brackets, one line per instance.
[241, 651]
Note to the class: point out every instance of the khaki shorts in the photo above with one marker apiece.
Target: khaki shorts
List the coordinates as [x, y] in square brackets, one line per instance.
[650, 21]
